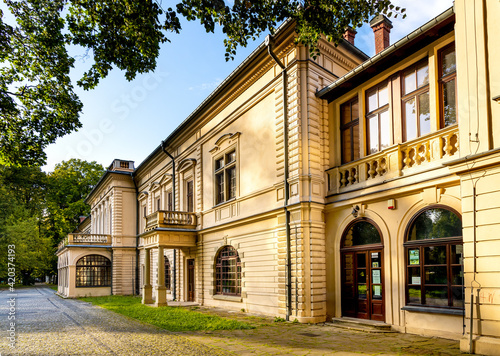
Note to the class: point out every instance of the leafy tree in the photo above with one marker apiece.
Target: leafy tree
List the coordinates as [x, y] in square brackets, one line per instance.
[67, 187]
[37, 102]
[20, 226]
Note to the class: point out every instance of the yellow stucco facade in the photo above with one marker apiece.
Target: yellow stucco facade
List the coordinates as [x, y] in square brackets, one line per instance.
[341, 189]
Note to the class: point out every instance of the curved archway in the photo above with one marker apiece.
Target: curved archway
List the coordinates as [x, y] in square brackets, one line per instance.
[362, 271]
[434, 259]
[228, 272]
[93, 271]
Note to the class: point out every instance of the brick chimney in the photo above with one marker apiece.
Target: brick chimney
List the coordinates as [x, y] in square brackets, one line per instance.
[349, 34]
[381, 27]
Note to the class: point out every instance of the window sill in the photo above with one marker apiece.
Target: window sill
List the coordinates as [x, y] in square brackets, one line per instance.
[227, 298]
[232, 200]
[433, 310]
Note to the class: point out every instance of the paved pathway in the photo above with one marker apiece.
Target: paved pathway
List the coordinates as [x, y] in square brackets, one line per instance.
[48, 325]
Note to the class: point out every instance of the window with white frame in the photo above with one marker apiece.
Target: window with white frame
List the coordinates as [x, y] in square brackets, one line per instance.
[225, 177]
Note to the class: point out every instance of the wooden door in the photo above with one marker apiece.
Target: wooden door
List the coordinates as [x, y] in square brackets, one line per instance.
[362, 284]
[190, 277]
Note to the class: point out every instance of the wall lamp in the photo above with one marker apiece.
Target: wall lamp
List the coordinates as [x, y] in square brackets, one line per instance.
[355, 211]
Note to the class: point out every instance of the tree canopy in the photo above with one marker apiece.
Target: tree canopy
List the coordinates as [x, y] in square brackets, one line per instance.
[37, 210]
[37, 101]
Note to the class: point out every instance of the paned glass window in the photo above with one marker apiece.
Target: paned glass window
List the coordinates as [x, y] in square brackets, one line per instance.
[434, 259]
[93, 271]
[349, 128]
[167, 273]
[225, 177]
[228, 272]
[448, 86]
[170, 202]
[379, 128]
[415, 96]
[362, 233]
[190, 196]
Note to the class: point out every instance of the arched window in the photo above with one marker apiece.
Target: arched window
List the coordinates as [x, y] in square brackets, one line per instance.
[228, 272]
[167, 273]
[93, 271]
[434, 256]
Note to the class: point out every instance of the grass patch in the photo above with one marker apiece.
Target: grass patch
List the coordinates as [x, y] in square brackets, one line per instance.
[168, 318]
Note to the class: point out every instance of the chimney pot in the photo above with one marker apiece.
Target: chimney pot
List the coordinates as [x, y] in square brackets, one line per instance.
[349, 34]
[381, 27]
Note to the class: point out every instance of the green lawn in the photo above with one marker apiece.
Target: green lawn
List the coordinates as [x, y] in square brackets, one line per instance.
[169, 318]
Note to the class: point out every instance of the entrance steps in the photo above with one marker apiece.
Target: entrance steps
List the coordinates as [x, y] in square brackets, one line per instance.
[369, 326]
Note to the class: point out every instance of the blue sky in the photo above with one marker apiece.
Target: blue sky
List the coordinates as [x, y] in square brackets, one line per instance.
[128, 120]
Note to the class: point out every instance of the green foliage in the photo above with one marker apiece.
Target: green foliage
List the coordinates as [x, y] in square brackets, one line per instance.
[37, 102]
[38, 210]
[20, 212]
[168, 318]
[278, 319]
[67, 187]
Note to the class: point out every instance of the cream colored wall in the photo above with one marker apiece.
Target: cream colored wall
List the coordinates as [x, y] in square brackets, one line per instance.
[68, 258]
[392, 224]
[477, 29]
[257, 243]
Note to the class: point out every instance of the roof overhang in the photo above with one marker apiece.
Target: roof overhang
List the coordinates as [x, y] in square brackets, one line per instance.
[418, 39]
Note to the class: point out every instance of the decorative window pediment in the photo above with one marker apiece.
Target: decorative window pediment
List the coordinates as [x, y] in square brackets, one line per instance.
[143, 195]
[187, 164]
[224, 141]
[154, 186]
[166, 179]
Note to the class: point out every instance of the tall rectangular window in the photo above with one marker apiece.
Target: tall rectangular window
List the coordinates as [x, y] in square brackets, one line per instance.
[378, 126]
[190, 196]
[415, 96]
[225, 177]
[349, 129]
[158, 204]
[448, 86]
[170, 202]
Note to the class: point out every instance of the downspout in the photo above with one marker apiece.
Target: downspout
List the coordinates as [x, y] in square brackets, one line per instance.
[269, 42]
[174, 269]
[137, 255]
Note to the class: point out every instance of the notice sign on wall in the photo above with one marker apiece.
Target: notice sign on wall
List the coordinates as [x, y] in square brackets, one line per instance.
[414, 257]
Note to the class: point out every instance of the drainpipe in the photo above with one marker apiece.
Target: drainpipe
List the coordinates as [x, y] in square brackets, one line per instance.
[174, 270]
[137, 217]
[269, 42]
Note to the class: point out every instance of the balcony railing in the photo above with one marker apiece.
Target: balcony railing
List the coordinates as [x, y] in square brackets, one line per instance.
[396, 161]
[173, 219]
[85, 239]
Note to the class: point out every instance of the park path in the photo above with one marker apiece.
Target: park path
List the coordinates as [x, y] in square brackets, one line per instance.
[47, 325]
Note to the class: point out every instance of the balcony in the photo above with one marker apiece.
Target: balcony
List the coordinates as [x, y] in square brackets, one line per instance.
[170, 229]
[85, 239]
[400, 160]
[170, 219]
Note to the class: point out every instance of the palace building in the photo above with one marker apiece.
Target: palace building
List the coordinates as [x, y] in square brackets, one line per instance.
[318, 189]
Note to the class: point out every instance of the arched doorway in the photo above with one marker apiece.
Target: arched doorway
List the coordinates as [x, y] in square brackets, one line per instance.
[362, 271]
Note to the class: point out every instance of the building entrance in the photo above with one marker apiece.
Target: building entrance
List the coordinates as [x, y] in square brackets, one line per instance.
[362, 272]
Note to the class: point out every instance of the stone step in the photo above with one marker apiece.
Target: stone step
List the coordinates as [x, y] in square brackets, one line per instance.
[370, 326]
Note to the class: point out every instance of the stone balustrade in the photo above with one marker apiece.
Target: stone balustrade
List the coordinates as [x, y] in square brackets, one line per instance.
[396, 161]
[174, 219]
[85, 239]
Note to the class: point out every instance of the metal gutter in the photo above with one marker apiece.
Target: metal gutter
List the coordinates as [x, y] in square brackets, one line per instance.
[386, 52]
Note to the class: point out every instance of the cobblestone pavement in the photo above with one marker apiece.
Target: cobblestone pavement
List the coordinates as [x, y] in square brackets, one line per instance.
[271, 338]
[49, 325]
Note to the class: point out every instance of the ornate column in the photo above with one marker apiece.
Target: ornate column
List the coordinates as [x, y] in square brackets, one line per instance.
[147, 295]
[160, 289]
